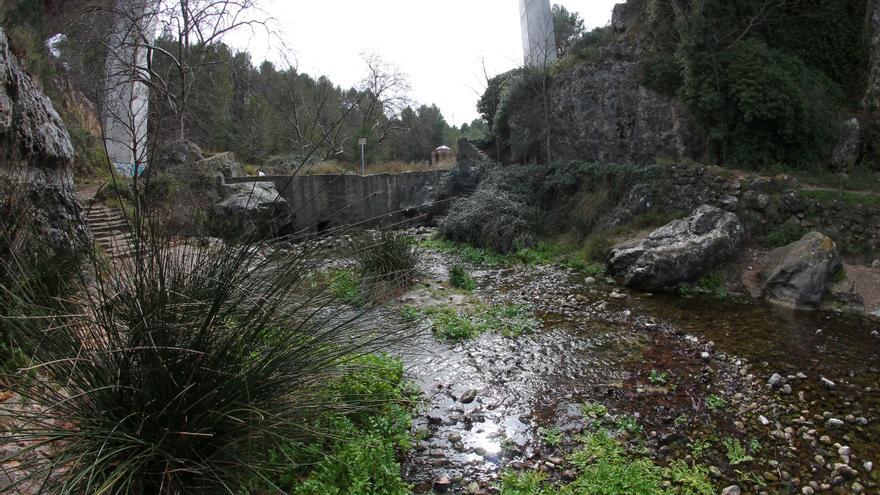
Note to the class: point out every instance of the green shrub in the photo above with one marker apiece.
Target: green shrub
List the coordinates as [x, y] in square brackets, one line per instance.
[345, 285]
[387, 263]
[784, 234]
[452, 325]
[361, 455]
[461, 279]
[199, 367]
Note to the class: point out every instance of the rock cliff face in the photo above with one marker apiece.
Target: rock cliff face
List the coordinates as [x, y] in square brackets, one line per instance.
[35, 157]
[602, 113]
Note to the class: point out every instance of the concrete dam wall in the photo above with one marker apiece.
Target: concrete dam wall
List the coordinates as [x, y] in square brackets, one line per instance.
[324, 201]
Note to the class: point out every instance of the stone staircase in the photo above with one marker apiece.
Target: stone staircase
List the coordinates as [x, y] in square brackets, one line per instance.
[110, 230]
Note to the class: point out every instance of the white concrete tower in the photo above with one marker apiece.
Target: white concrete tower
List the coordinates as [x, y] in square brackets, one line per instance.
[126, 103]
[538, 39]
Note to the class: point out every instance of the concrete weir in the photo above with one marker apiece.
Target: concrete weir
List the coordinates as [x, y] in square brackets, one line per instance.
[324, 201]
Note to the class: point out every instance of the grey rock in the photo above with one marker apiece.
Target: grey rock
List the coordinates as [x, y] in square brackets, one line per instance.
[251, 209]
[681, 251]
[827, 383]
[848, 149]
[775, 380]
[800, 273]
[600, 112]
[36, 155]
[731, 490]
[834, 422]
[468, 397]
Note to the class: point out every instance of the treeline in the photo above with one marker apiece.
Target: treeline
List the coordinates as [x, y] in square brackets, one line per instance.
[220, 99]
[262, 112]
[769, 81]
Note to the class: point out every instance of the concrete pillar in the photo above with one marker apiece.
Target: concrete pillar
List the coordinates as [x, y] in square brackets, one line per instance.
[538, 38]
[126, 93]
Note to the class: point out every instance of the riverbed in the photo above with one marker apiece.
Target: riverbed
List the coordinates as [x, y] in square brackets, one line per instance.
[681, 378]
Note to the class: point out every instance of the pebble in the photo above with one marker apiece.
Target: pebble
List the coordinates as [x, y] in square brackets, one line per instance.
[764, 421]
[844, 452]
[454, 437]
[617, 295]
[834, 422]
[825, 440]
[473, 487]
[857, 488]
[468, 396]
[442, 483]
[869, 466]
[827, 383]
[786, 389]
[715, 473]
[807, 490]
[775, 380]
[590, 280]
[731, 490]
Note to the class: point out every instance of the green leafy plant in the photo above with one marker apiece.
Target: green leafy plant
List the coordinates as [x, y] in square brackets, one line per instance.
[629, 424]
[451, 324]
[715, 402]
[699, 447]
[736, 453]
[410, 313]
[658, 377]
[551, 436]
[593, 410]
[461, 279]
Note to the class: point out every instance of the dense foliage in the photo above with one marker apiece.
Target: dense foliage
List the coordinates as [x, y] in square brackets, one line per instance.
[769, 81]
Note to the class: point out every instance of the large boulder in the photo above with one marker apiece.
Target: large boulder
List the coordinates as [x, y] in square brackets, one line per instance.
[800, 273]
[681, 251]
[251, 209]
[35, 161]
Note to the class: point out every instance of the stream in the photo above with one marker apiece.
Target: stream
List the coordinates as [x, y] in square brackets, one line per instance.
[491, 403]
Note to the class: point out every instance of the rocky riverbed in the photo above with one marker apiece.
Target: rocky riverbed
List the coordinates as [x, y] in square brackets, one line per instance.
[770, 400]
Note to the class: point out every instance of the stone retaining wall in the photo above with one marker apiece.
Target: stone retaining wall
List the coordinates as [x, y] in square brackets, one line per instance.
[324, 201]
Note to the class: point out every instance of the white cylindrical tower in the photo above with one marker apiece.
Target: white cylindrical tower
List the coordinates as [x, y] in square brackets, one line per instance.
[538, 38]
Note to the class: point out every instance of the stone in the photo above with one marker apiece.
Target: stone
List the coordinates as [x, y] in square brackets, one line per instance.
[850, 143]
[468, 397]
[35, 159]
[681, 251]
[807, 490]
[252, 208]
[731, 490]
[473, 487]
[827, 383]
[442, 483]
[799, 274]
[775, 380]
[834, 422]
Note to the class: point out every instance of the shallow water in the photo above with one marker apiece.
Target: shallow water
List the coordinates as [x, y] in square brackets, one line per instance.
[595, 348]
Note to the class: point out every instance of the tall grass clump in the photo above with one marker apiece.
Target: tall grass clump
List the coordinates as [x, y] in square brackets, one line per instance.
[387, 262]
[177, 370]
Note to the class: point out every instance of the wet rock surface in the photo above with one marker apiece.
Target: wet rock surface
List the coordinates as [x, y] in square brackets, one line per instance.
[593, 348]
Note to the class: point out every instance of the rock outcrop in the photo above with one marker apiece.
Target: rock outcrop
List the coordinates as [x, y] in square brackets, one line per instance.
[602, 113]
[250, 209]
[800, 274]
[681, 251]
[35, 158]
[848, 149]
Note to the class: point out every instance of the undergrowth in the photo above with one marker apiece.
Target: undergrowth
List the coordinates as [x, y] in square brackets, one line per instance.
[457, 324]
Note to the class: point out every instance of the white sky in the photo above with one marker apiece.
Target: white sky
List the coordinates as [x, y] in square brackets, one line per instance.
[439, 44]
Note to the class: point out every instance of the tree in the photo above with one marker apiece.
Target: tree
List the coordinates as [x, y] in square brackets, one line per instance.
[568, 28]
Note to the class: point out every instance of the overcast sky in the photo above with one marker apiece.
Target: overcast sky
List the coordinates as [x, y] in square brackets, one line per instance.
[439, 44]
